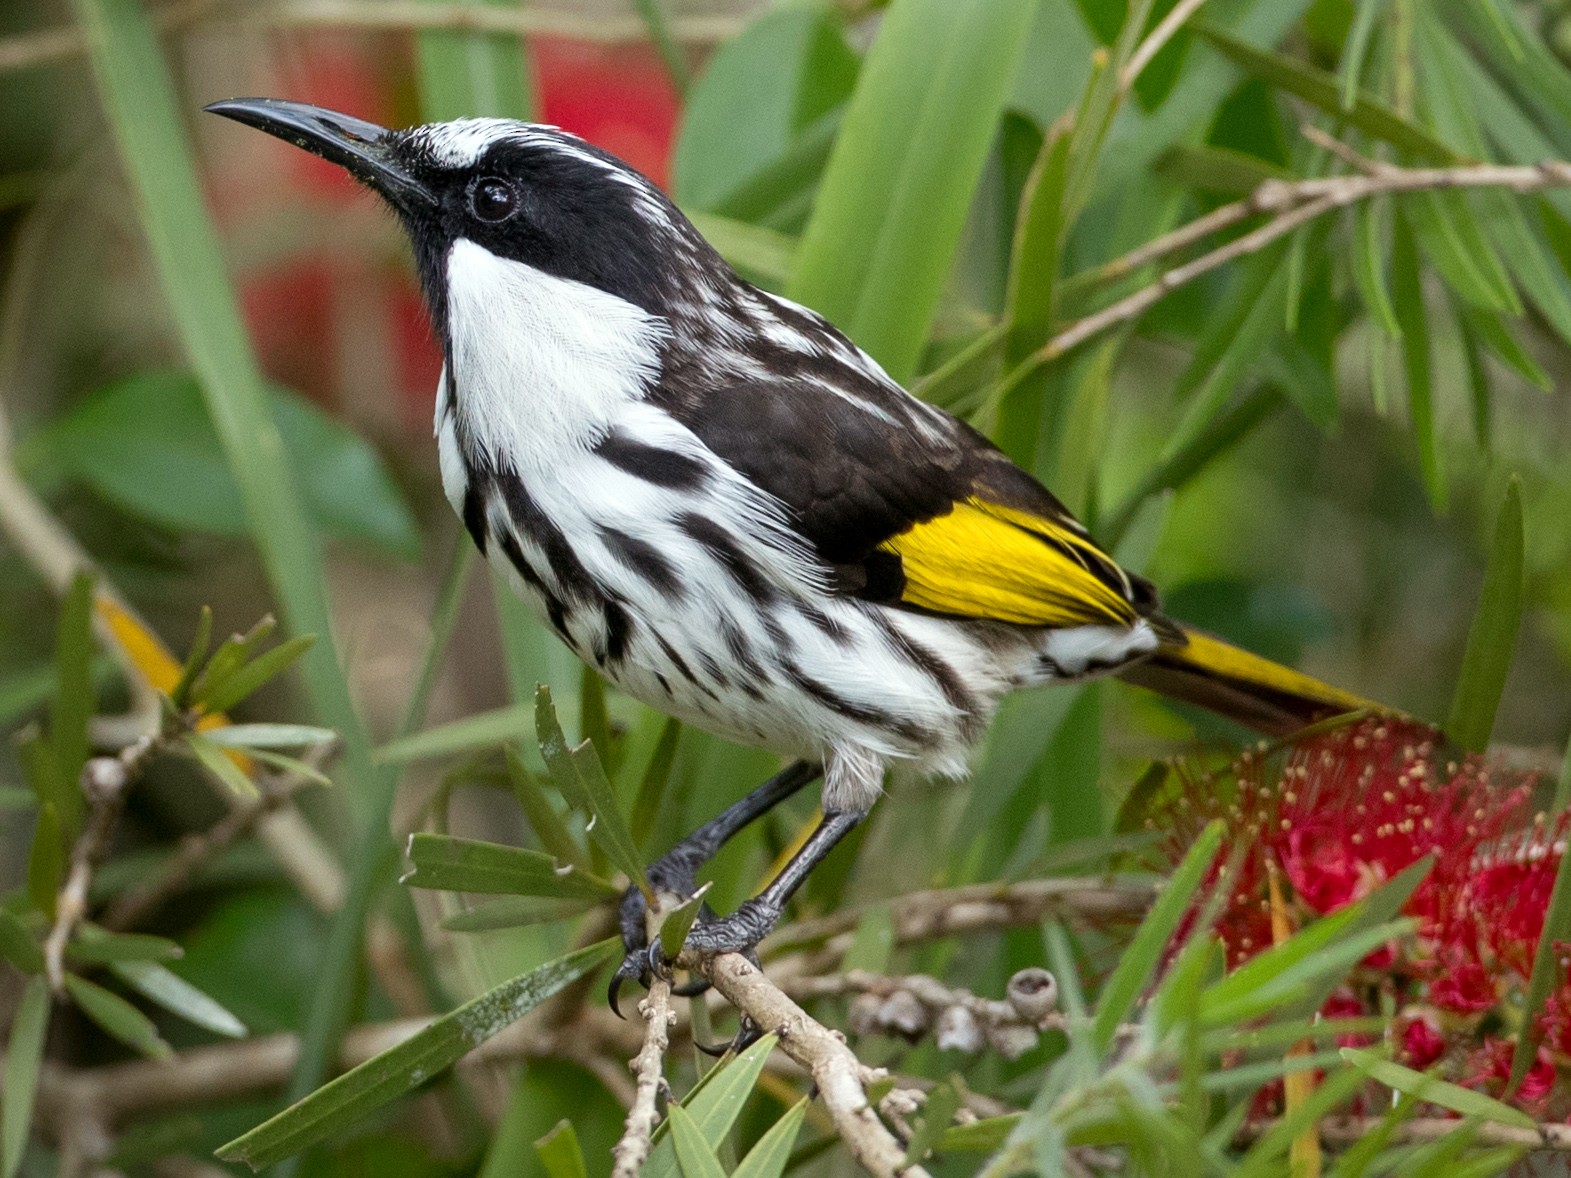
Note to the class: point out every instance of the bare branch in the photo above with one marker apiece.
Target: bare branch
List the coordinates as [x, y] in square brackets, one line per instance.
[840, 1076]
[1293, 203]
[47, 46]
[975, 908]
[104, 782]
[648, 1065]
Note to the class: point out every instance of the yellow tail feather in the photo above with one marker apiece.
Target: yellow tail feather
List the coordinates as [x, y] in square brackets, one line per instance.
[1254, 691]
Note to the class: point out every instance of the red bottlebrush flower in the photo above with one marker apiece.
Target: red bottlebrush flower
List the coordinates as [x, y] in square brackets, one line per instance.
[1461, 984]
[1421, 1042]
[1489, 1070]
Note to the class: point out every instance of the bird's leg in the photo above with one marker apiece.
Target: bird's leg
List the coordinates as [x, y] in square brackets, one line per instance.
[676, 872]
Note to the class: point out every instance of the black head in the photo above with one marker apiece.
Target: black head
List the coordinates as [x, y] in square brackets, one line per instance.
[526, 192]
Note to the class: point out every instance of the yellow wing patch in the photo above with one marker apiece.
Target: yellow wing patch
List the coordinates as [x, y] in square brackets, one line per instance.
[986, 561]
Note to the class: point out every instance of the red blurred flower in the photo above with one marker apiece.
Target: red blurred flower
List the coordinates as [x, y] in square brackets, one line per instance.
[1421, 1043]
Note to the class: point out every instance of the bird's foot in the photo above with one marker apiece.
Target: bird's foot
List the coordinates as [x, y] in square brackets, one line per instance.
[740, 932]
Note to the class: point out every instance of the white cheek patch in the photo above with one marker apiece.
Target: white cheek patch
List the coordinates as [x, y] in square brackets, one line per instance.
[542, 365]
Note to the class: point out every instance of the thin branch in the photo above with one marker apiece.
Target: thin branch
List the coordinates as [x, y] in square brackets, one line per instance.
[841, 1077]
[1292, 203]
[632, 1150]
[944, 912]
[48, 46]
[104, 781]
[1166, 29]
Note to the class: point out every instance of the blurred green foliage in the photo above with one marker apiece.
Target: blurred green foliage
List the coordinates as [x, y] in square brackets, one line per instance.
[1308, 448]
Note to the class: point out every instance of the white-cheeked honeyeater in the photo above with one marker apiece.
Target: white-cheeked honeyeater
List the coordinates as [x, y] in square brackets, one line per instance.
[726, 507]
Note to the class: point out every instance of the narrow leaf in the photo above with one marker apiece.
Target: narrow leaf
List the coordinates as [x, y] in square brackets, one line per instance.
[219, 763]
[345, 1100]
[453, 864]
[1369, 268]
[1491, 639]
[24, 1056]
[223, 695]
[677, 923]
[1556, 931]
[543, 818]
[579, 775]
[1466, 1101]
[195, 658]
[652, 784]
[517, 912]
[696, 1156]
[1140, 960]
[18, 945]
[1356, 47]
[269, 736]
[96, 946]
[46, 860]
[942, 1104]
[461, 736]
[714, 1106]
[118, 1017]
[178, 996]
[1408, 295]
[769, 1157]
[560, 1153]
[74, 696]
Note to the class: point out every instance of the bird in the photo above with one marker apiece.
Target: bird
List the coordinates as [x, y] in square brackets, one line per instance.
[728, 509]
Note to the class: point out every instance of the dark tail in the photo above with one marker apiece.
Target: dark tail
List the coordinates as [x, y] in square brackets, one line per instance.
[1254, 691]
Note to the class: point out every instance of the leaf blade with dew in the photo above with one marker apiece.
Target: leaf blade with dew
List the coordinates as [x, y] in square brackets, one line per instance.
[118, 1017]
[1491, 637]
[24, 1058]
[1467, 1101]
[578, 773]
[449, 863]
[714, 1105]
[178, 996]
[344, 1100]
[1140, 960]
[772, 1152]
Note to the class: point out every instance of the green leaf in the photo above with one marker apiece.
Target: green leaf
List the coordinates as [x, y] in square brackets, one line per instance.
[219, 763]
[898, 186]
[560, 1153]
[1140, 960]
[291, 766]
[463, 73]
[46, 860]
[75, 698]
[1324, 91]
[148, 444]
[654, 780]
[943, 1102]
[1491, 639]
[1217, 169]
[517, 912]
[697, 1156]
[578, 774]
[177, 996]
[1466, 1101]
[679, 921]
[1545, 977]
[219, 695]
[453, 864]
[714, 1106]
[1356, 48]
[1369, 266]
[1408, 294]
[18, 945]
[1035, 256]
[49, 782]
[96, 946]
[24, 1056]
[1448, 231]
[983, 1136]
[14, 797]
[481, 730]
[770, 1155]
[195, 659]
[233, 653]
[345, 1100]
[543, 818]
[269, 736]
[759, 91]
[118, 1017]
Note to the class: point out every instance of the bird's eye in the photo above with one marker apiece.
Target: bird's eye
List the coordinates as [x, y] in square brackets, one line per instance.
[492, 199]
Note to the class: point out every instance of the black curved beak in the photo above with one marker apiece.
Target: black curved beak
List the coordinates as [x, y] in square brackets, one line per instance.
[360, 147]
